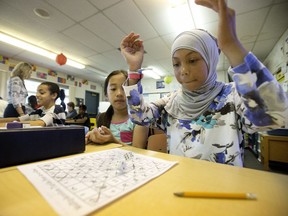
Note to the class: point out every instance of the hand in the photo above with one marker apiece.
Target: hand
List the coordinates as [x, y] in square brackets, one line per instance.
[132, 50]
[101, 135]
[227, 37]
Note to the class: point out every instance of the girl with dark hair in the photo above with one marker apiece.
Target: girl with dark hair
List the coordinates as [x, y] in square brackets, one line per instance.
[114, 125]
[48, 114]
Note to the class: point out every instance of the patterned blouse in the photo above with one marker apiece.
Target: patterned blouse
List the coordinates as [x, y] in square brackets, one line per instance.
[254, 102]
[17, 92]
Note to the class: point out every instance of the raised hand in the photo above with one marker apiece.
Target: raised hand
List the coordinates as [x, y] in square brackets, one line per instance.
[227, 37]
[132, 50]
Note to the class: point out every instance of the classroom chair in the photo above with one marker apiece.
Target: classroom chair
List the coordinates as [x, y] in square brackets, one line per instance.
[93, 123]
[157, 142]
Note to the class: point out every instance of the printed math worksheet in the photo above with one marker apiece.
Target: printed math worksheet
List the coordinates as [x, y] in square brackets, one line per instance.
[82, 184]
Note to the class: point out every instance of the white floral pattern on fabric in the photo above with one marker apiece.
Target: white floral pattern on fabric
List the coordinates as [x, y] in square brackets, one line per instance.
[217, 135]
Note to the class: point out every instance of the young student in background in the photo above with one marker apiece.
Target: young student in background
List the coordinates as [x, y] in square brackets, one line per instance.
[17, 92]
[205, 119]
[114, 125]
[72, 113]
[32, 104]
[48, 114]
[82, 117]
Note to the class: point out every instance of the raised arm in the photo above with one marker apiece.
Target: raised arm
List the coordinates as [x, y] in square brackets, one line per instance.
[132, 50]
[227, 38]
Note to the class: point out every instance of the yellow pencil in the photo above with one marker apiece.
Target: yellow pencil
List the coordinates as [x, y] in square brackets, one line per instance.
[219, 195]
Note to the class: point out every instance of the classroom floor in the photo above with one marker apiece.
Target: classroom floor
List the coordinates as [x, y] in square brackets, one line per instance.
[252, 162]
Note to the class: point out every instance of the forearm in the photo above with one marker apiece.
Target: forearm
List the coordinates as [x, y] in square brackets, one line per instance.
[140, 137]
[235, 53]
[20, 110]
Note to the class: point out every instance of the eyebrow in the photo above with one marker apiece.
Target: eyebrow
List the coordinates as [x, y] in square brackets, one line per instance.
[191, 52]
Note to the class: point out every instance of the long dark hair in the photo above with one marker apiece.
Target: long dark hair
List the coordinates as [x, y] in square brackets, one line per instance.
[105, 118]
[62, 98]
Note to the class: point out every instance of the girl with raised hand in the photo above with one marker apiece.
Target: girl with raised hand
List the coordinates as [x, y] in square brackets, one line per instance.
[205, 119]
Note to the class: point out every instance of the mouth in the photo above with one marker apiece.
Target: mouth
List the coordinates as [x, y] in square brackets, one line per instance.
[119, 101]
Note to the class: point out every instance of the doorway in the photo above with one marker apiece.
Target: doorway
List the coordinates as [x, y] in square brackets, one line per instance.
[92, 103]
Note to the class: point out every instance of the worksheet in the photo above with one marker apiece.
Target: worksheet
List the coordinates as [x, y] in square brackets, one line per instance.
[82, 184]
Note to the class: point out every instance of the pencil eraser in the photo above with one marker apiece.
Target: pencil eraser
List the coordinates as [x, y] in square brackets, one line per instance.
[12, 125]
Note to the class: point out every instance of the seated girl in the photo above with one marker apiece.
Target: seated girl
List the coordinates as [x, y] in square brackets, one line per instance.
[115, 124]
[48, 114]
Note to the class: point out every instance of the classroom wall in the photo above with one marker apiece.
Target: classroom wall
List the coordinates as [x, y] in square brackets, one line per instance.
[277, 61]
[77, 86]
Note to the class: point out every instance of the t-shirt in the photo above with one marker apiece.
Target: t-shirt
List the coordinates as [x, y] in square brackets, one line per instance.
[123, 131]
[53, 116]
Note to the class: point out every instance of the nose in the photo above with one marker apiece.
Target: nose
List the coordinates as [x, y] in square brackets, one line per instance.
[184, 71]
[120, 93]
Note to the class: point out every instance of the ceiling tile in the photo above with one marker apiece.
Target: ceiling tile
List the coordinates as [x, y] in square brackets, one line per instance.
[82, 35]
[75, 9]
[156, 48]
[104, 28]
[103, 4]
[277, 14]
[57, 20]
[129, 18]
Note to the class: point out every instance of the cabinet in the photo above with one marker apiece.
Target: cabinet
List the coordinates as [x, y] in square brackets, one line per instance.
[273, 148]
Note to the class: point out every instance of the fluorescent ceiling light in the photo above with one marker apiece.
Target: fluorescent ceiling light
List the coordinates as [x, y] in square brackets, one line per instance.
[149, 72]
[34, 49]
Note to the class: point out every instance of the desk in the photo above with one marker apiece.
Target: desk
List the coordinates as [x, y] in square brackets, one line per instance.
[18, 196]
[273, 148]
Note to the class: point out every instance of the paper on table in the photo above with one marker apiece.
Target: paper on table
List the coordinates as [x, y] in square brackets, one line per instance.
[84, 183]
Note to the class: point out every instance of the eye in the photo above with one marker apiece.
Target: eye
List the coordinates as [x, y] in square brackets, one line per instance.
[193, 61]
[175, 65]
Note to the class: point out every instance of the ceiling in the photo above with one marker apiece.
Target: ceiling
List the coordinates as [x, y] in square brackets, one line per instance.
[90, 31]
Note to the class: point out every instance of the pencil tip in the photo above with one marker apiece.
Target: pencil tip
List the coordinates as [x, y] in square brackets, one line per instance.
[180, 194]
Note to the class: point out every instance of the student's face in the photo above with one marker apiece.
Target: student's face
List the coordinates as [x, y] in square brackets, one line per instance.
[44, 97]
[81, 111]
[70, 109]
[190, 69]
[115, 92]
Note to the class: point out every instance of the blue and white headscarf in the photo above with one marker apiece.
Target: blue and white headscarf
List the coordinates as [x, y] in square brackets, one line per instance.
[186, 104]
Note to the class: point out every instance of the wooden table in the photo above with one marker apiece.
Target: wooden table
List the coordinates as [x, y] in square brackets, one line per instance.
[19, 197]
[273, 148]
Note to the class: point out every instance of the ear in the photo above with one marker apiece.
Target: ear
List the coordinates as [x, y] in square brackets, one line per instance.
[54, 96]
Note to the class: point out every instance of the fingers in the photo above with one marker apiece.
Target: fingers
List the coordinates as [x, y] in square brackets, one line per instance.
[131, 42]
[106, 130]
[212, 4]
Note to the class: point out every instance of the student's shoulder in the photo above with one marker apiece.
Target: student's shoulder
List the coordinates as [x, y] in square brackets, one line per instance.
[58, 109]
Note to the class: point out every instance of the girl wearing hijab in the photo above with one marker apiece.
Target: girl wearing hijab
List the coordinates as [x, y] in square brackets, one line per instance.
[206, 119]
